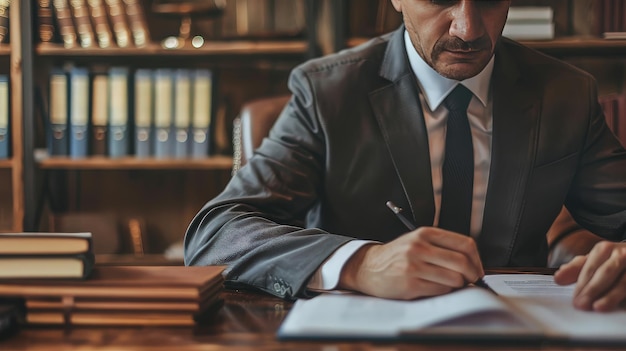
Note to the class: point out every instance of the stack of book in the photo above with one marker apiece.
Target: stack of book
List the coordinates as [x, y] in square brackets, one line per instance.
[46, 255]
[122, 295]
[529, 23]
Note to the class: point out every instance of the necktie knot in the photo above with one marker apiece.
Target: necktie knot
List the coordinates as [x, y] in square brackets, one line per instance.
[458, 99]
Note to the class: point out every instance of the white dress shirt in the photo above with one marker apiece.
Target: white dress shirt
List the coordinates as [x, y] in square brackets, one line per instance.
[433, 89]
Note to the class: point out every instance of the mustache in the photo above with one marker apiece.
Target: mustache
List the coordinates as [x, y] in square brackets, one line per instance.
[456, 44]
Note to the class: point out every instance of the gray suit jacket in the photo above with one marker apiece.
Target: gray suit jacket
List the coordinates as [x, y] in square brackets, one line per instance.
[353, 137]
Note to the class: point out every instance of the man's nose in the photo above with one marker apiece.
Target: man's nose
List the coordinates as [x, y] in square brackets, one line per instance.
[467, 23]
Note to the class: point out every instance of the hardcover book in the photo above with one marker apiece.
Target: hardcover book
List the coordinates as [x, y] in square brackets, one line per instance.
[45, 255]
[65, 23]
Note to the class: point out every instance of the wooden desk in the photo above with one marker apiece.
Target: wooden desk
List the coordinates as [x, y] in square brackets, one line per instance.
[247, 321]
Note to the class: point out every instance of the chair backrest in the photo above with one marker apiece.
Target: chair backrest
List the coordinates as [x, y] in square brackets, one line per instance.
[253, 124]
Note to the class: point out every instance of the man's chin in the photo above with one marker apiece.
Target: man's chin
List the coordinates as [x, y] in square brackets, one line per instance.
[460, 70]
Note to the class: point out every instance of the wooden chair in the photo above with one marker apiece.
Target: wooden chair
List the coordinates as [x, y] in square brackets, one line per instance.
[566, 239]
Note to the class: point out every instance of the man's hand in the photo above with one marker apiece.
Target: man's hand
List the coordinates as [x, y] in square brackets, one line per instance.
[425, 262]
[600, 277]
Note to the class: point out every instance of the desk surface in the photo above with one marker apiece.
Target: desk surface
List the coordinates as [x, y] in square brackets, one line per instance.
[247, 321]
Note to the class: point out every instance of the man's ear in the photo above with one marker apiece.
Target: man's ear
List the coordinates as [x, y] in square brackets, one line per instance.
[397, 4]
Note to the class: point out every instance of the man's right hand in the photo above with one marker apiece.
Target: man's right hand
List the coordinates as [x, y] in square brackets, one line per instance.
[425, 262]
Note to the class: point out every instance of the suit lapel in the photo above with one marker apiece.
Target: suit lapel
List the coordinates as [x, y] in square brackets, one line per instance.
[515, 128]
[399, 115]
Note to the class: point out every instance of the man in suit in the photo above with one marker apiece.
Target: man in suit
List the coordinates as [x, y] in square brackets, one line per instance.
[382, 122]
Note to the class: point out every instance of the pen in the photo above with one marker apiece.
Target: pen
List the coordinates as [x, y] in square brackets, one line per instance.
[410, 226]
[398, 211]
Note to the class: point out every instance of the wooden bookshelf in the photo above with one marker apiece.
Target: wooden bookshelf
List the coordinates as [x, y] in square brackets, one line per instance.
[133, 163]
[210, 49]
[6, 164]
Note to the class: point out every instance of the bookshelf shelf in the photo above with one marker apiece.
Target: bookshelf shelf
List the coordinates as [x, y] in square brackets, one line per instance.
[224, 48]
[133, 163]
[5, 50]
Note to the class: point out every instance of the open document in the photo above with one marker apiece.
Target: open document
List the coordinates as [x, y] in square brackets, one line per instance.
[524, 307]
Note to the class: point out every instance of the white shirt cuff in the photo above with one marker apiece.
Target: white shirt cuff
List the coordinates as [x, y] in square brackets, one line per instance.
[327, 275]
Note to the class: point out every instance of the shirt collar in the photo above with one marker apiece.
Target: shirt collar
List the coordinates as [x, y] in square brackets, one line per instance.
[436, 87]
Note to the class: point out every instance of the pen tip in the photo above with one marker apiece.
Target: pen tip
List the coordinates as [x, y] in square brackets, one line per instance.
[393, 207]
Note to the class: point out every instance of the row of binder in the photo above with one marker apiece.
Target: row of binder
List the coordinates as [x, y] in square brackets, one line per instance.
[163, 113]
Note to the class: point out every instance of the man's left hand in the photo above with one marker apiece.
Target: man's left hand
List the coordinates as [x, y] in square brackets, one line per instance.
[600, 277]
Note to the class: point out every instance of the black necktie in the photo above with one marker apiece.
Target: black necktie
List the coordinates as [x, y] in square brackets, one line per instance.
[458, 165]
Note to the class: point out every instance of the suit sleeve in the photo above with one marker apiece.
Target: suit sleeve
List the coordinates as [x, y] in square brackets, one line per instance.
[597, 198]
[256, 225]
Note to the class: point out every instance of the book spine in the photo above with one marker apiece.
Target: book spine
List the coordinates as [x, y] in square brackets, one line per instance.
[137, 23]
[65, 24]
[4, 20]
[163, 112]
[79, 112]
[144, 93]
[46, 24]
[58, 107]
[117, 16]
[85, 31]
[182, 112]
[4, 117]
[98, 14]
[202, 95]
[99, 114]
[118, 112]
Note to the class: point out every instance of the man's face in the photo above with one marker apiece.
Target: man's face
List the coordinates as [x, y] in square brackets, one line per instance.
[456, 38]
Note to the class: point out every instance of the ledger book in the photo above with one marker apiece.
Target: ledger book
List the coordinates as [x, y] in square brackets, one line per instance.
[523, 307]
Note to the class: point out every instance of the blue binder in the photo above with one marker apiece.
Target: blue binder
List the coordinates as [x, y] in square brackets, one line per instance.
[182, 112]
[144, 93]
[202, 102]
[79, 112]
[5, 124]
[163, 113]
[118, 141]
[58, 113]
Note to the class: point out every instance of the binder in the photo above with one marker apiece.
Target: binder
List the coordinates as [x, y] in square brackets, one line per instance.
[163, 112]
[118, 138]
[182, 112]
[4, 117]
[79, 112]
[143, 112]
[58, 144]
[202, 96]
[99, 113]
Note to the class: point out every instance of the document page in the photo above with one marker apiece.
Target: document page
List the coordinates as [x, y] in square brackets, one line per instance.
[364, 316]
[529, 285]
[550, 304]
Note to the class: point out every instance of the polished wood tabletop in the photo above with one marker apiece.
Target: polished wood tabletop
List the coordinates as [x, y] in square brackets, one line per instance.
[246, 321]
